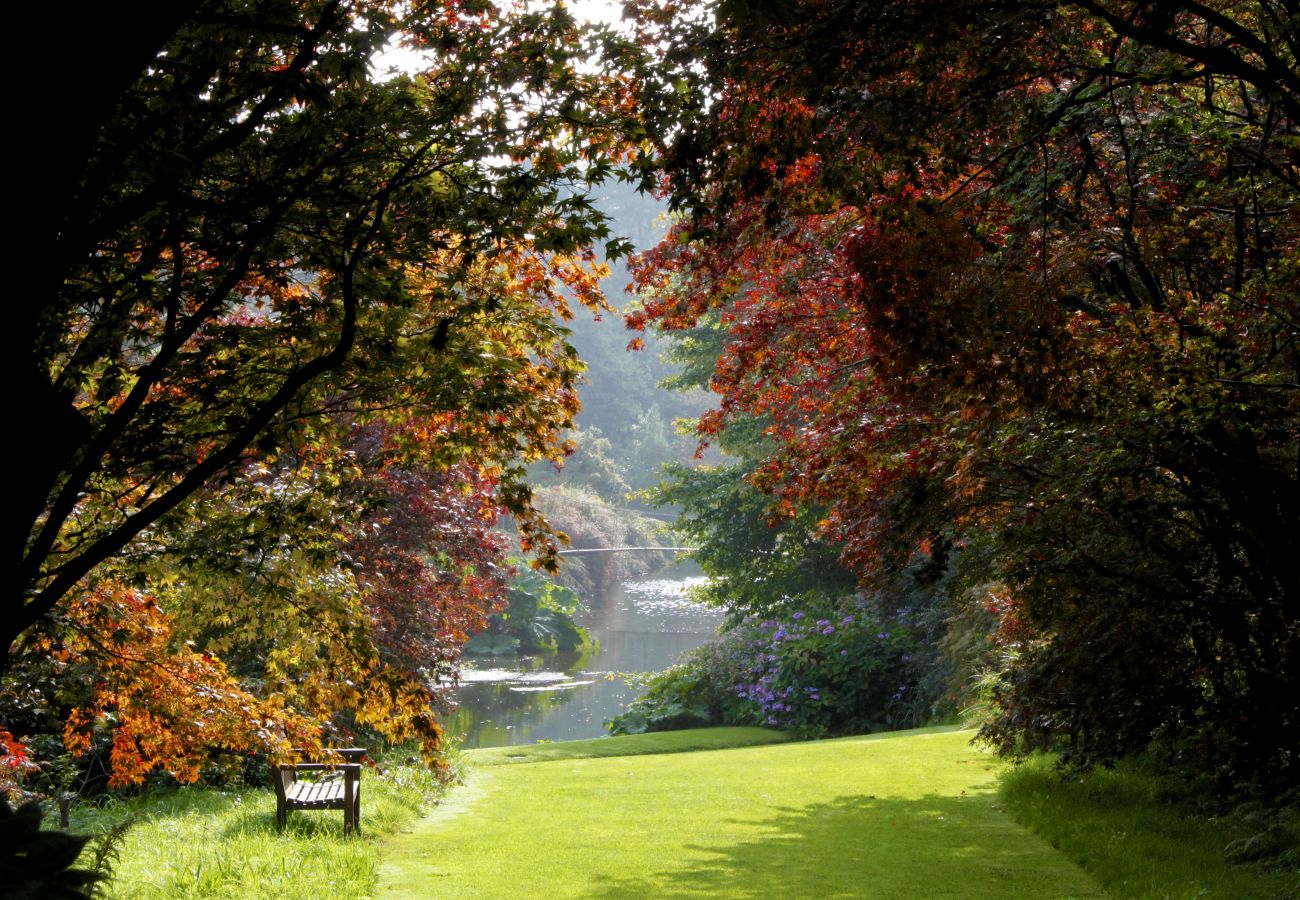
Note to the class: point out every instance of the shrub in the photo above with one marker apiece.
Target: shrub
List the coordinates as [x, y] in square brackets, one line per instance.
[700, 691]
[831, 670]
[820, 674]
[539, 617]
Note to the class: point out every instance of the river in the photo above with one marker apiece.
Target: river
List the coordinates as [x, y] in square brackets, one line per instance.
[639, 626]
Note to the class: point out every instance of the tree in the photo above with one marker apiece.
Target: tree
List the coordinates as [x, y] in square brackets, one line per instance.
[265, 235]
[432, 566]
[257, 249]
[1021, 278]
[761, 560]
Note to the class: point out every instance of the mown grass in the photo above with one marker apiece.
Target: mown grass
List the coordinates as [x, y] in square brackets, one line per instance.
[910, 814]
[1123, 828]
[205, 842]
[629, 745]
[904, 815]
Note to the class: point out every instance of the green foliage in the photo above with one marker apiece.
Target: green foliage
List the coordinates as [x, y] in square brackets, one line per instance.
[1145, 833]
[758, 557]
[672, 702]
[757, 564]
[539, 617]
[701, 690]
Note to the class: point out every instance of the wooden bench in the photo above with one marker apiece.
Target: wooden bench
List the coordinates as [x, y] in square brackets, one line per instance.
[337, 786]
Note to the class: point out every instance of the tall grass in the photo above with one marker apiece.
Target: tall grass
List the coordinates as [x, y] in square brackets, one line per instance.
[208, 842]
[1130, 830]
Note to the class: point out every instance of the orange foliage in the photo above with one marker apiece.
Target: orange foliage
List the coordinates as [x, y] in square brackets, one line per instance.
[168, 707]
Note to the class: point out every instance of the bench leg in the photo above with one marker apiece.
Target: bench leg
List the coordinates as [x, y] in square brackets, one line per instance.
[349, 804]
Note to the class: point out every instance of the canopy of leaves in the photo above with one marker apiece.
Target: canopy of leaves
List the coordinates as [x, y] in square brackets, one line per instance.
[1022, 277]
[260, 250]
[761, 559]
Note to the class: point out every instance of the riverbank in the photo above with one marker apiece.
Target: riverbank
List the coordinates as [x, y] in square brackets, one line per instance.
[638, 626]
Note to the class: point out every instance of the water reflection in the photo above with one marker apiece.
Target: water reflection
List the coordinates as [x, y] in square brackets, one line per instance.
[639, 626]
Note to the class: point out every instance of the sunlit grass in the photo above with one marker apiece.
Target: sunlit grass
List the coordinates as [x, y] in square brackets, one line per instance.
[905, 815]
[1140, 844]
[911, 814]
[203, 842]
[629, 745]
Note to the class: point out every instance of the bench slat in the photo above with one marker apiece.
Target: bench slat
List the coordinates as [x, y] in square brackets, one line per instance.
[315, 792]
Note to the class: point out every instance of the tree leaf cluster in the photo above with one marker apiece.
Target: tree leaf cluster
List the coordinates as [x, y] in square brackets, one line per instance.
[1018, 279]
[258, 248]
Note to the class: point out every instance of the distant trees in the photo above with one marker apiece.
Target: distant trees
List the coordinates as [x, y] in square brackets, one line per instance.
[1019, 279]
[621, 398]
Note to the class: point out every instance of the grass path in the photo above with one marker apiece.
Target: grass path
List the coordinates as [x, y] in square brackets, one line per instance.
[907, 815]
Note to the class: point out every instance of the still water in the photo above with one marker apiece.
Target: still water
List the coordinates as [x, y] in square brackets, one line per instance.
[639, 626]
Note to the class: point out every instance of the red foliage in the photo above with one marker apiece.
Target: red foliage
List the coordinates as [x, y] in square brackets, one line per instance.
[431, 564]
[1022, 276]
[15, 765]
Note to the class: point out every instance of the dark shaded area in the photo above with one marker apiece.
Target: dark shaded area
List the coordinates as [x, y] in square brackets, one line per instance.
[40, 864]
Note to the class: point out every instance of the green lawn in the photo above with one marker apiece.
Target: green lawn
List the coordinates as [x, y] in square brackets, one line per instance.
[717, 813]
[908, 815]
[1116, 824]
[212, 843]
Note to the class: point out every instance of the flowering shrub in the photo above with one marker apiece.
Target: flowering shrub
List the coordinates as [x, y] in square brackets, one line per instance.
[812, 673]
[819, 675]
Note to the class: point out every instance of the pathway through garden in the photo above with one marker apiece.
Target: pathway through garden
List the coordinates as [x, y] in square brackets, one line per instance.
[906, 815]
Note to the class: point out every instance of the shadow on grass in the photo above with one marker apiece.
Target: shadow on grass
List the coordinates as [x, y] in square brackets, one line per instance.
[1128, 826]
[861, 846]
[301, 825]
